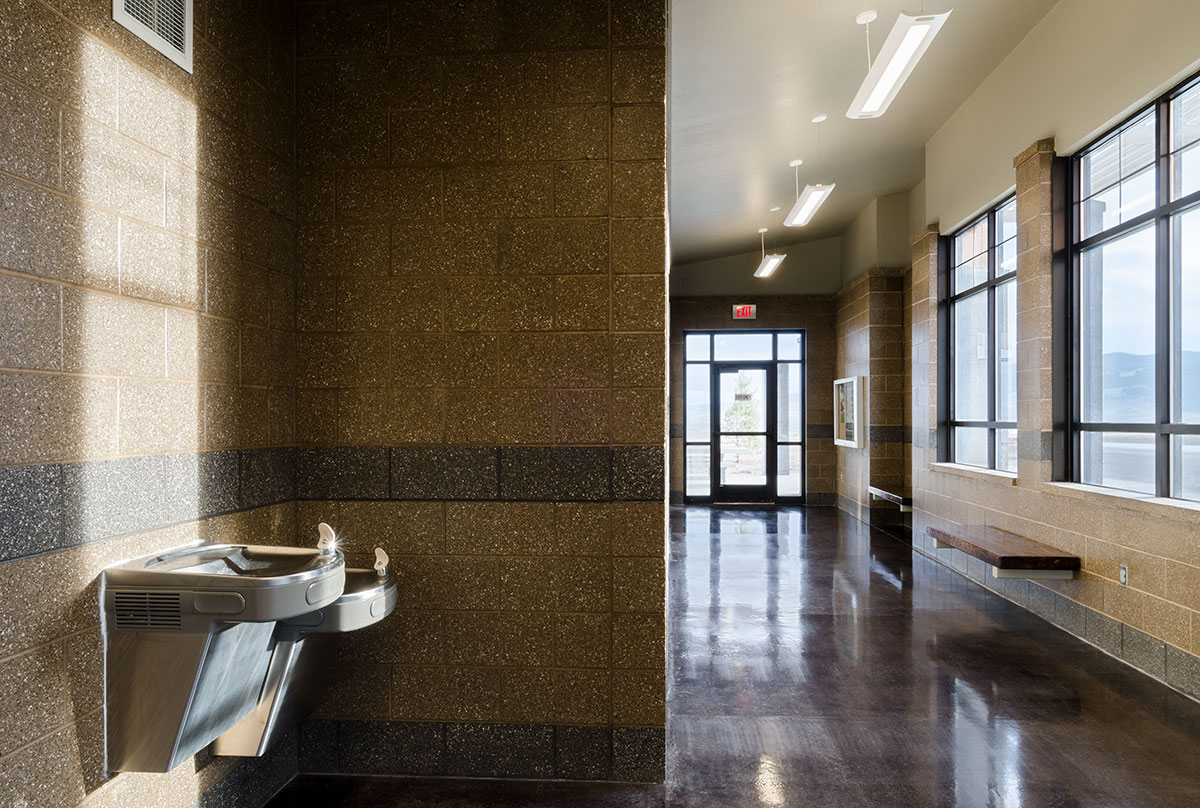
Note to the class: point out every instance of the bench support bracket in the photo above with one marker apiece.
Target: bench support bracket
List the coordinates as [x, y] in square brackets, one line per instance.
[904, 502]
[1034, 575]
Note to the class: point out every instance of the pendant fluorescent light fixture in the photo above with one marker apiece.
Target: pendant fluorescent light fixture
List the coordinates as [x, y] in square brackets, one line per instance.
[769, 263]
[807, 203]
[812, 197]
[908, 41]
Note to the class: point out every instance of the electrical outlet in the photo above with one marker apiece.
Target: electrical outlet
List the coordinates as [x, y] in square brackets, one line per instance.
[1124, 575]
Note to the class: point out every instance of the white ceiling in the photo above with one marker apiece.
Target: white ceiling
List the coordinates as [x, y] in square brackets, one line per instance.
[747, 77]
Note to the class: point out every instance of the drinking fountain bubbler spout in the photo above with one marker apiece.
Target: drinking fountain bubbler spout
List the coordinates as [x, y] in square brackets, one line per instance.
[328, 539]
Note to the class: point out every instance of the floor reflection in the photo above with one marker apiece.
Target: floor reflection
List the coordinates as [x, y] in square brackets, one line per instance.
[816, 662]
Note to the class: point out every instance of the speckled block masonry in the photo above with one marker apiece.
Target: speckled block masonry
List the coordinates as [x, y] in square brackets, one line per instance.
[47, 508]
[534, 751]
[871, 336]
[147, 323]
[505, 473]
[389, 253]
[480, 366]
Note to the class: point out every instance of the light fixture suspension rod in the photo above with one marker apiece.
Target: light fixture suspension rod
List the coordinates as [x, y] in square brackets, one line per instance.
[868, 27]
[818, 147]
[769, 263]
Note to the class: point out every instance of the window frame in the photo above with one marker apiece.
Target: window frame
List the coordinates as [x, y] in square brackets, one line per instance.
[948, 297]
[1161, 217]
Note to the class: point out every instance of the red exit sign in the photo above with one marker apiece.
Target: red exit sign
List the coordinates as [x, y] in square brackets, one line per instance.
[745, 311]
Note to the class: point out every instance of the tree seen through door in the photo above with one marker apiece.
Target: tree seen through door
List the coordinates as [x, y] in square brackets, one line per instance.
[742, 460]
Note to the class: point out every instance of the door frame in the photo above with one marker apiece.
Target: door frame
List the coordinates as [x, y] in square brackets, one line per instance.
[743, 493]
[774, 361]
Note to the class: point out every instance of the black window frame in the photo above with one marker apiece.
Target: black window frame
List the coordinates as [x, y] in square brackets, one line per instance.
[1068, 459]
[948, 296]
[772, 416]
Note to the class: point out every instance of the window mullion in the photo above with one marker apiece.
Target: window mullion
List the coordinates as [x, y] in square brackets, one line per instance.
[1163, 326]
[993, 346]
[1075, 337]
[946, 358]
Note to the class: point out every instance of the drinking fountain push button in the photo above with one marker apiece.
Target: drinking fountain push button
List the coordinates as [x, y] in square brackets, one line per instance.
[228, 603]
[323, 590]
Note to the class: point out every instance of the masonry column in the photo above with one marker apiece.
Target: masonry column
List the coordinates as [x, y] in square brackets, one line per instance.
[1035, 314]
[887, 388]
[924, 375]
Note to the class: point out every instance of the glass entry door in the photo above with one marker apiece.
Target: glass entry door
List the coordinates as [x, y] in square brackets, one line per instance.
[743, 438]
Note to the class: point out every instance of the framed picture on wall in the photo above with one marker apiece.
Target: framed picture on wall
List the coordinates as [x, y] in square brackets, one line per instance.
[847, 412]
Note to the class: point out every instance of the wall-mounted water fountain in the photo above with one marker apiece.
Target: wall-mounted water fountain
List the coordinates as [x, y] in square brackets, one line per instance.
[202, 640]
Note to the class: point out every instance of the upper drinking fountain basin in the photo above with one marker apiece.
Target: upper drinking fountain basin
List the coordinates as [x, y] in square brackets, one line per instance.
[235, 582]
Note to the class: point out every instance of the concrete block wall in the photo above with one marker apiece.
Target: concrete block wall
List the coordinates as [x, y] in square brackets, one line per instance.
[479, 220]
[853, 340]
[871, 344]
[146, 386]
[480, 354]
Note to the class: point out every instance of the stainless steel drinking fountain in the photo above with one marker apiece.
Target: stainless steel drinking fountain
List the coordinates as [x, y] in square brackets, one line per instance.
[305, 650]
[189, 636]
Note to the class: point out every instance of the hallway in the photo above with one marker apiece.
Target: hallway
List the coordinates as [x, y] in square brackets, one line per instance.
[816, 662]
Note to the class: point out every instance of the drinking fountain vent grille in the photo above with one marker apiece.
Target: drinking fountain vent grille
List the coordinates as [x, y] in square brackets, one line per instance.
[157, 611]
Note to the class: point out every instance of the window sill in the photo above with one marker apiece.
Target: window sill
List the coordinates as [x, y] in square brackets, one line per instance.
[1143, 503]
[975, 473]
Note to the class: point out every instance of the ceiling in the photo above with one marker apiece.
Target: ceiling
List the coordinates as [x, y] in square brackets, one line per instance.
[746, 79]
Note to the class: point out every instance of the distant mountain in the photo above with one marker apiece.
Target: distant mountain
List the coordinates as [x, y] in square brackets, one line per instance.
[1129, 386]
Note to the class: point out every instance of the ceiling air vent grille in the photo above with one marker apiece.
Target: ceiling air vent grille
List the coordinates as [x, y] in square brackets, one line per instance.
[156, 611]
[165, 25]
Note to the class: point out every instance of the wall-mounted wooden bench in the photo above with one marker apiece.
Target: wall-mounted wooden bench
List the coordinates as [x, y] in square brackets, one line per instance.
[901, 498]
[1010, 555]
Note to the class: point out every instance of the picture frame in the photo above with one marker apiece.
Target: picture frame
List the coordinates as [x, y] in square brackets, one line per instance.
[847, 412]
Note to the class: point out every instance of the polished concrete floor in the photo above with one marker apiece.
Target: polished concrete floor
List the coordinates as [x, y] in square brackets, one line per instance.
[814, 661]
